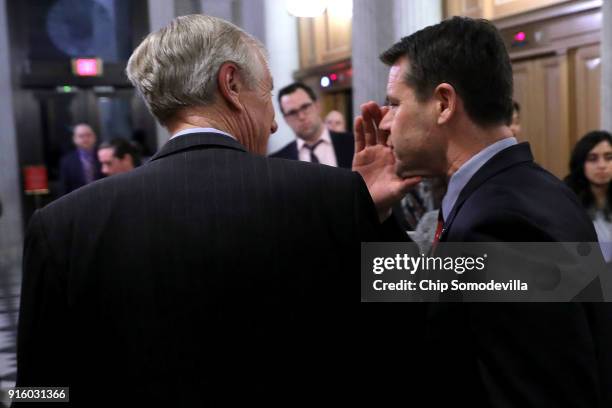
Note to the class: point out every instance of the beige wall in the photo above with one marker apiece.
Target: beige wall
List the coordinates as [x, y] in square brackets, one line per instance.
[494, 9]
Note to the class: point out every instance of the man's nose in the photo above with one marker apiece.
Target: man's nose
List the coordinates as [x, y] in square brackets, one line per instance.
[385, 123]
[274, 127]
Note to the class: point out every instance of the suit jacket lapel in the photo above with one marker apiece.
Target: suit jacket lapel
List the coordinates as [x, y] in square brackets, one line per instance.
[342, 146]
[508, 157]
[293, 151]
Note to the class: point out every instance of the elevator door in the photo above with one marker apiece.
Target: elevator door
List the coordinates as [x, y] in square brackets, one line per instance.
[111, 112]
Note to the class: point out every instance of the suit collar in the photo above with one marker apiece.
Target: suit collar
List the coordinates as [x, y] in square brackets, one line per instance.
[510, 156]
[465, 173]
[192, 140]
[325, 137]
[344, 148]
[292, 151]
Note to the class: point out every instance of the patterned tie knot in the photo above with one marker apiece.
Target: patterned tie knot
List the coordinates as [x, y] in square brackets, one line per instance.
[314, 146]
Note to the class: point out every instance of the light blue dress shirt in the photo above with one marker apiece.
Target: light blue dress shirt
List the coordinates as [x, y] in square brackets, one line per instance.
[462, 176]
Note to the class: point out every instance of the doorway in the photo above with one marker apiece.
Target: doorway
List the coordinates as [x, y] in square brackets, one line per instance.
[46, 118]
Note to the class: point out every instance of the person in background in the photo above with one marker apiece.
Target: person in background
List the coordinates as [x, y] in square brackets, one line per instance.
[314, 142]
[335, 122]
[515, 121]
[81, 166]
[118, 156]
[589, 178]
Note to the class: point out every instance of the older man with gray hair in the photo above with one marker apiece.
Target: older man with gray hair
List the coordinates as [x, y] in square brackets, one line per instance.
[211, 273]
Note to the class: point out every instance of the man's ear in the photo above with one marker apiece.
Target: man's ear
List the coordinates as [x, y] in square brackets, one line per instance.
[446, 99]
[128, 159]
[229, 82]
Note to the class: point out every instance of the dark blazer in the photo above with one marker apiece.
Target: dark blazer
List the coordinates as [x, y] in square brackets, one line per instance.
[344, 147]
[71, 171]
[508, 354]
[206, 276]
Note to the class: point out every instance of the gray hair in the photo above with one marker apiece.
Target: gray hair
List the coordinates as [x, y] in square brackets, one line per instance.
[177, 66]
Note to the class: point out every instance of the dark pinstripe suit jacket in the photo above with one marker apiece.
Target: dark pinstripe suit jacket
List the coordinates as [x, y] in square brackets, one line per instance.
[206, 275]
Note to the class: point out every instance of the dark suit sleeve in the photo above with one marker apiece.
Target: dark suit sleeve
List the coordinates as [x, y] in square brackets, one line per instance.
[43, 325]
[369, 227]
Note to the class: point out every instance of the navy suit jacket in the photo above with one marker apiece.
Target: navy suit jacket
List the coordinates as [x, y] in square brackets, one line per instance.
[71, 171]
[344, 147]
[504, 354]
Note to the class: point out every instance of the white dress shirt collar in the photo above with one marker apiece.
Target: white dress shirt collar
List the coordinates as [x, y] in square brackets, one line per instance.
[325, 137]
[201, 130]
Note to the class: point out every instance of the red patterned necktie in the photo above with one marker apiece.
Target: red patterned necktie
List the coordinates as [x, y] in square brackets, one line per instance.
[439, 230]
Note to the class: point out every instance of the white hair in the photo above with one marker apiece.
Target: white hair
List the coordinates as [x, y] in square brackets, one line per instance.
[177, 66]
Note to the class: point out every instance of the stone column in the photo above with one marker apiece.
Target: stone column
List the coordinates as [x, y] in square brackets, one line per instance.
[161, 12]
[373, 32]
[184, 7]
[252, 17]
[376, 26]
[606, 66]
[11, 224]
[413, 15]
[281, 40]
[219, 8]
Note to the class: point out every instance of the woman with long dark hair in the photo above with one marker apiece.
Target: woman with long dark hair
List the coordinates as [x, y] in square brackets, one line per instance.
[590, 175]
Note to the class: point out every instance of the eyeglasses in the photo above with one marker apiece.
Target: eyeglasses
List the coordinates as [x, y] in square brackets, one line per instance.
[296, 112]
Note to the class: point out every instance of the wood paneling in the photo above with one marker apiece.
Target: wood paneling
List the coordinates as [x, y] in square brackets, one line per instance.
[324, 39]
[504, 8]
[553, 73]
[541, 88]
[557, 77]
[308, 56]
[494, 9]
[523, 78]
[586, 90]
[340, 101]
[468, 8]
[338, 38]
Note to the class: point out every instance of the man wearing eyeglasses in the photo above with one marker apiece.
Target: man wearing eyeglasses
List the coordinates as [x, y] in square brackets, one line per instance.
[314, 142]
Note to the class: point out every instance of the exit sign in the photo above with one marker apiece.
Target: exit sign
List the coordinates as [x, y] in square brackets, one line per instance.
[87, 67]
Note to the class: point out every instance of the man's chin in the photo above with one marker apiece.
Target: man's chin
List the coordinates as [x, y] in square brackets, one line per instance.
[404, 172]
